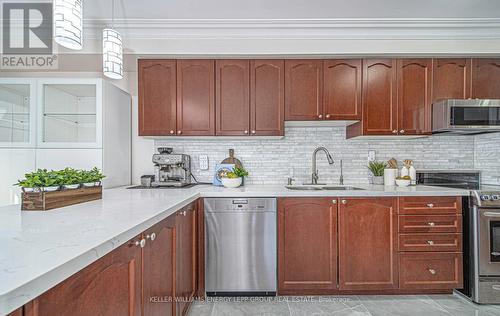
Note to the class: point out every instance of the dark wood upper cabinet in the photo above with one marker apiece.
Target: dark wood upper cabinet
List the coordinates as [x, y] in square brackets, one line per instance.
[414, 94]
[342, 89]
[303, 90]
[185, 285]
[195, 97]
[159, 268]
[368, 244]
[451, 78]
[267, 105]
[380, 97]
[307, 244]
[232, 97]
[110, 286]
[157, 97]
[485, 78]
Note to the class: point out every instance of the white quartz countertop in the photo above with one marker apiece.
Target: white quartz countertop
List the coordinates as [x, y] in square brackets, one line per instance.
[40, 249]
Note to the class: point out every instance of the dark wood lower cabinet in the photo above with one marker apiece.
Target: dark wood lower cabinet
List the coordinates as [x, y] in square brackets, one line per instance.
[368, 244]
[185, 284]
[159, 269]
[110, 286]
[307, 244]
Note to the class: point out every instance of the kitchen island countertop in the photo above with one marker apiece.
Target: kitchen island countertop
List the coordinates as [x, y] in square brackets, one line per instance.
[40, 249]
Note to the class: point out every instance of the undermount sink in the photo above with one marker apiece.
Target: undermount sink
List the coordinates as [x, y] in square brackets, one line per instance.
[317, 188]
[347, 187]
[305, 188]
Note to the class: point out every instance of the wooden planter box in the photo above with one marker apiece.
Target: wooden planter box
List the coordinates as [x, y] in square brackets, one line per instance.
[43, 201]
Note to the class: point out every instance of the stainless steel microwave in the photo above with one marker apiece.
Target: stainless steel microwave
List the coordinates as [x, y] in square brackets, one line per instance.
[471, 116]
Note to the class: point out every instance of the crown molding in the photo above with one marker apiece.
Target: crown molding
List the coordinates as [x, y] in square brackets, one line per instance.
[355, 29]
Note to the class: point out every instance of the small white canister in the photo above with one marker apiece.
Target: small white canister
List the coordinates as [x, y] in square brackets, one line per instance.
[390, 176]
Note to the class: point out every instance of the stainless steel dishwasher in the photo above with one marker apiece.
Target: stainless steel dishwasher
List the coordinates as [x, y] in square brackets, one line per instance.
[240, 246]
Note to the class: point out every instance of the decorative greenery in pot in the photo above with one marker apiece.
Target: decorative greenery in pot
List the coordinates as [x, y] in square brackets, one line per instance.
[69, 178]
[235, 178]
[377, 170]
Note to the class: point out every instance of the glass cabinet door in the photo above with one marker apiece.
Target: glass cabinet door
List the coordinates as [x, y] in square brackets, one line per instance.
[70, 114]
[17, 113]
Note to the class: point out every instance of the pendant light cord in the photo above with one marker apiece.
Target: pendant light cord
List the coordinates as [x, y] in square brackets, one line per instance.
[113, 14]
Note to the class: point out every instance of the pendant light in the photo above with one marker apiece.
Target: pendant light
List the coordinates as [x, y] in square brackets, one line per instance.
[112, 50]
[68, 23]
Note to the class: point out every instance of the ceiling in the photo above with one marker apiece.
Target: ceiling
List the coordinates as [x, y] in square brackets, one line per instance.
[291, 9]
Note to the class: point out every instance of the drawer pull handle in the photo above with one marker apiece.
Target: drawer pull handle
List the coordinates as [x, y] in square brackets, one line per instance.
[432, 271]
[495, 253]
[140, 243]
[430, 205]
[431, 224]
[430, 242]
[152, 236]
[334, 201]
[344, 202]
[496, 287]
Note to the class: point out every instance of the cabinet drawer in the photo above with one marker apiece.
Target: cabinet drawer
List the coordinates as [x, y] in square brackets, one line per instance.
[430, 223]
[430, 205]
[427, 270]
[430, 242]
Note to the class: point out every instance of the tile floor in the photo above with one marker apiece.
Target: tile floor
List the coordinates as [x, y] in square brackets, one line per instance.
[382, 305]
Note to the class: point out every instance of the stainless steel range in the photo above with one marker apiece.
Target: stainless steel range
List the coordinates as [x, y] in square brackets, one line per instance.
[485, 250]
[481, 229]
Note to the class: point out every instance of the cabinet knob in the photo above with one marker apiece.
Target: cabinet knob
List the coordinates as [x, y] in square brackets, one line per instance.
[343, 202]
[328, 116]
[402, 131]
[253, 132]
[152, 236]
[430, 205]
[320, 116]
[431, 224]
[432, 271]
[334, 201]
[430, 242]
[395, 131]
[246, 132]
[171, 132]
[179, 132]
[140, 243]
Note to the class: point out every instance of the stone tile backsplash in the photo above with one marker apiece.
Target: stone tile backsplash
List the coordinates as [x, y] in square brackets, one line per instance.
[487, 157]
[271, 161]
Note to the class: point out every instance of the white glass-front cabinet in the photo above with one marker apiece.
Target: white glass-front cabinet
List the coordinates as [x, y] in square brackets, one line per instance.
[70, 113]
[17, 113]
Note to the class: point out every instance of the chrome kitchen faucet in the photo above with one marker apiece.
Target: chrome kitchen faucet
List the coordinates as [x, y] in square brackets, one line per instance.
[314, 176]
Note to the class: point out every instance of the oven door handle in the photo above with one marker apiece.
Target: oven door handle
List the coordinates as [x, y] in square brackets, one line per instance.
[491, 214]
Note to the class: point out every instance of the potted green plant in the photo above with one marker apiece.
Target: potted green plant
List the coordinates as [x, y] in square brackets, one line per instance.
[40, 180]
[234, 178]
[92, 178]
[71, 178]
[377, 170]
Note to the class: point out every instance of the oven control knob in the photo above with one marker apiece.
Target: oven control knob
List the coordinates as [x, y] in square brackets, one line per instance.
[495, 197]
[485, 197]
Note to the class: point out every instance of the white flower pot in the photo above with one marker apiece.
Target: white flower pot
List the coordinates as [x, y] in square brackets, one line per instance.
[231, 183]
[71, 186]
[51, 189]
[31, 189]
[91, 184]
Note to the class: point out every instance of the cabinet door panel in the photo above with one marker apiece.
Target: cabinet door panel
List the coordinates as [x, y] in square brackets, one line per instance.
[307, 258]
[451, 78]
[195, 97]
[159, 269]
[368, 244]
[110, 286]
[379, 96]
[485, 78]
[267, 97]
[342, 89]
[232, 97]
[414, 91]
[303, 90]
[185, 284]
[157, 97]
